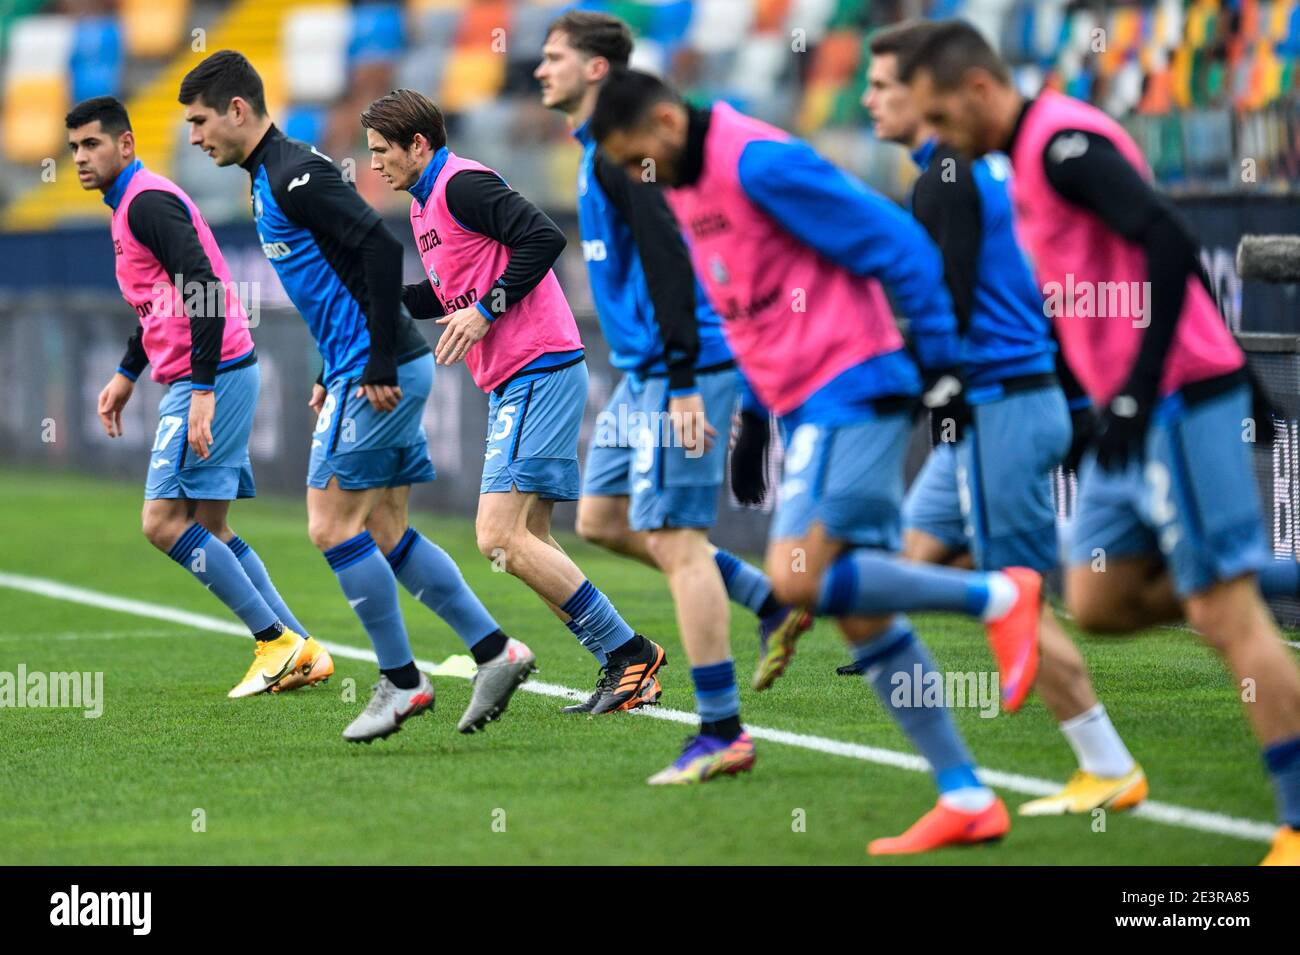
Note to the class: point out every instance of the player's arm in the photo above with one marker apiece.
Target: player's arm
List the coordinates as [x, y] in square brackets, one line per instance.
[1086, 169]
[670, 277]
[114, 395]
[323, 202]
[670, 280]
[949, 208]
[422, 301]
[862, 231]
[482, 202]
[161, 223]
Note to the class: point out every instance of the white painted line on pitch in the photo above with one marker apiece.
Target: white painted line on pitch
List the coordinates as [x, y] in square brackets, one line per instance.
[1026, 785]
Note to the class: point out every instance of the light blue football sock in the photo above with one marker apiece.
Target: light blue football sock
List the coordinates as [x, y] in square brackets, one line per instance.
[256, 572]
[371, 589]
[873, 583]
[212, 563]
[592, 611]
[432, 577]
[893, 661]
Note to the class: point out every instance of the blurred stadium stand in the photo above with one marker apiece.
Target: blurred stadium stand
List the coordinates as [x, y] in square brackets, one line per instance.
[1208, 87]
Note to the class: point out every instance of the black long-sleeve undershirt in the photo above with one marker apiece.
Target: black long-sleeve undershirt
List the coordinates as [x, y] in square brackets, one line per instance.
[482, 202]
[162, 224]
[669, 274]
[946, 201]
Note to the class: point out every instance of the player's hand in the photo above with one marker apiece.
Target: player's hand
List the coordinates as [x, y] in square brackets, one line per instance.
[203, 406]
[945, 397]
[1122, 431]
[691, 424]
[1084, 425]
[748, 475]
[383, 398]
[464, 327]
[111, 402]
[317, 400]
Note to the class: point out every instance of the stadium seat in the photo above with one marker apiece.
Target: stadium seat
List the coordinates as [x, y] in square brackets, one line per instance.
[376, 33]
[33, 117]
[96, 61]
[719, 25]
[314, 52]
[154, 28]
[470, 77]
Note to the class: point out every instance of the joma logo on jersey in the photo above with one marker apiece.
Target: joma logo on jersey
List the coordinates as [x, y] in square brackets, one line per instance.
[145, 310]
[709, 223]
[275, 250]
[429, 240]
[117, 246]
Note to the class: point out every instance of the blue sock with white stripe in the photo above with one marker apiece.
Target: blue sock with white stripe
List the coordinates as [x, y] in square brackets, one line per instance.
[256, 572]
[593, 613]
[211, 561]
[893, 661]
[716, 695]
[1283, 762]
[873, 583]
[746, 584]
[371, 589]
[432, 577]
[588, 641]
[1280, 578]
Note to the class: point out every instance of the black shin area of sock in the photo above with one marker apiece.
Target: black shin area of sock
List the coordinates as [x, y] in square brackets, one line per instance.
[489, 647]
[404, 677]
[770, 606]
[727, 729]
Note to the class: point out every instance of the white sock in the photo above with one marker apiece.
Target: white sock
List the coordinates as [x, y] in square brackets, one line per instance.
[968, 798]
[1002, 596]
[1096, 745]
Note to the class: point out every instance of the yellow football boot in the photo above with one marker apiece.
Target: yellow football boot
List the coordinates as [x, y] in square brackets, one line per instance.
[1286, 848]
[315, 665]
[273, 660]
[1086, 792]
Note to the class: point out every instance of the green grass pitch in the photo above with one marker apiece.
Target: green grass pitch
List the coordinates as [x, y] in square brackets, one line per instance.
[276, 784]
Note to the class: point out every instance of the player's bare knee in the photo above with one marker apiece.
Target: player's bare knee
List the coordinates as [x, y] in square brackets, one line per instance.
[792, 587]
[493, 539]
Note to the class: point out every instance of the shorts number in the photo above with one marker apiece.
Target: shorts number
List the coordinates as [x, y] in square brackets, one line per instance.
[505, 421]
[167, 426]
[326, 413]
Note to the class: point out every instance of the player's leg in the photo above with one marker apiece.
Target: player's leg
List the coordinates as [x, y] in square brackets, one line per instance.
[532, 456]
[314, 663]
[433, 578]
[885, 647]
[1004, 474]
[178, 479]
[357, 454]
[1203, 505]
[822, 480]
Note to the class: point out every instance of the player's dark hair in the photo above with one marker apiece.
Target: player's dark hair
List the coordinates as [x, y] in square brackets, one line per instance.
[595, 34]
[219, 79]
[952, 49]
[625, 98]
[399, 115]
[107, 109]
[902, 40]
